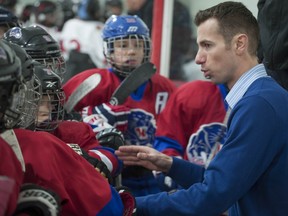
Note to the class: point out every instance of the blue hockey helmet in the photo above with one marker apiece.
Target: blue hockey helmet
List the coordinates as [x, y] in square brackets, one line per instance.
[125, 27]
[121, 26]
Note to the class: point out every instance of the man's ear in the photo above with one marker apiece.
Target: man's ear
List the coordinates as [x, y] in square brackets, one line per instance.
[240, 42]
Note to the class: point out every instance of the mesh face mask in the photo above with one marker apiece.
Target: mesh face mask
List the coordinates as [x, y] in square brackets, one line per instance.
[51, 110]
[28, 102]
[126, 44]
[56, 64]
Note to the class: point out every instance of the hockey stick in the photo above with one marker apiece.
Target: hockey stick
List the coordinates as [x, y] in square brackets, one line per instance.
[137, 77]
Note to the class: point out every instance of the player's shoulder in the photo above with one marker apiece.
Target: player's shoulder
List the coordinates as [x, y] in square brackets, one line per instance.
[159, 79]
[199, 84]
[31, 135]
[74, 127]
[197, 89]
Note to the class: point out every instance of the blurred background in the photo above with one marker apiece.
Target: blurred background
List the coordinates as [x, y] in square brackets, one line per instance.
[170, 22]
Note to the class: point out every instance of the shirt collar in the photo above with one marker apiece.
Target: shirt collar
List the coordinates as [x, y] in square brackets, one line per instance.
[241, 86]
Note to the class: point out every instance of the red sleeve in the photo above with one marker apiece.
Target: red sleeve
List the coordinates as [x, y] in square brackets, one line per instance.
[102, 84]
[11, 177]
[51, 163]
[77, 133]
[80, 133]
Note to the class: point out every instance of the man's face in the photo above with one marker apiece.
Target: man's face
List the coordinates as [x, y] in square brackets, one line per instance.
[128, 52]
[217, 59]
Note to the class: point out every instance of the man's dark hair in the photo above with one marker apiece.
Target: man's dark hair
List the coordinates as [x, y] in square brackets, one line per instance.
[233, 18]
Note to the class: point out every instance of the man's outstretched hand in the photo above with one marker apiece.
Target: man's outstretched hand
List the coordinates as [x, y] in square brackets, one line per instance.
[144, 156]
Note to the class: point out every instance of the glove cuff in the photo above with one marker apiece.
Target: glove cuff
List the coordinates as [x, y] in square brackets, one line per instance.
[128, 201]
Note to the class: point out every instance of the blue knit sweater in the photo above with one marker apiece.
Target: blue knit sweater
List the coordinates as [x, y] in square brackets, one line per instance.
[249, 176]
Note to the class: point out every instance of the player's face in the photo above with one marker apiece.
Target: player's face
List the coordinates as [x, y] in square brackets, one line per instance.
[217, 59]
[45, 109]
[128, 52]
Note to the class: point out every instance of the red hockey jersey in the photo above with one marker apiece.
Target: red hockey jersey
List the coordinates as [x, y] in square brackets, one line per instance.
[52, 164]
[11, 177]
[192, 105]
[94, 87]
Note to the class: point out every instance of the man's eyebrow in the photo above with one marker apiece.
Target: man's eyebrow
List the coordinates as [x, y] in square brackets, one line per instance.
[204, 42]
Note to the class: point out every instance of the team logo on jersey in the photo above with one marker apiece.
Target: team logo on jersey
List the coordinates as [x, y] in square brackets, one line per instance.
[201, 142]
[141, 128]
[16, 32]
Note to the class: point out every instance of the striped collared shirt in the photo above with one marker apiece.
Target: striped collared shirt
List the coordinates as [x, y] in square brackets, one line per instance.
[241, 86]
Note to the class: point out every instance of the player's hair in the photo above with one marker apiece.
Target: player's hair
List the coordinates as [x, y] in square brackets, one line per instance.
[233, 18]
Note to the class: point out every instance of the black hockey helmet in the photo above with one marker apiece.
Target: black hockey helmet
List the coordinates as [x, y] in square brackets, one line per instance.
[27, 65]
[51, 110]
[10, 82]
[32, 91]
[40, 45]
[8, 19]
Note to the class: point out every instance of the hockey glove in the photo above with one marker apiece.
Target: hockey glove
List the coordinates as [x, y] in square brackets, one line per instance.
[110, 137]
[96, 163]
[117, 116]
[128, 201]
[96, 122]
[35, 200]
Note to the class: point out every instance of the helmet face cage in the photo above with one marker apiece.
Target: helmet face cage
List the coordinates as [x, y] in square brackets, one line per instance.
[51, 106]
[54, 111]
[28, 102]
[56, 64]
[125, 43]
[10, 83]
[10, 115]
